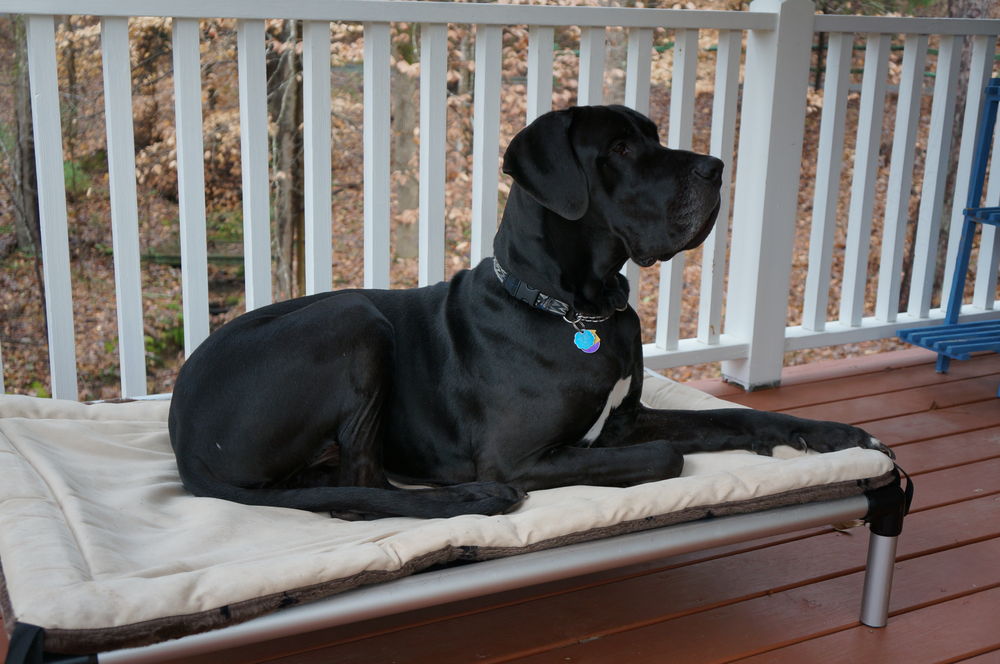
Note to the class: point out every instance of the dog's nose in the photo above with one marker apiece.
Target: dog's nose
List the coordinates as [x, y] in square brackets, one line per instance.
[709, 168]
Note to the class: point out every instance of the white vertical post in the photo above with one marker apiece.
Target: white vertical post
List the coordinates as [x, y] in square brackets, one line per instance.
[485, 141]
[982, 63]
[376, 154]
[43, 79]
[433, 118]
[859, 222]
[679, 132]
[638, 63]
[936, 166]
[829, 161]
[124, 208]
[637, 79]
[765, 208]
[540, 39]
[591, 78]
[984, 295]
[897, 205]
[253, 158]
[727, 83]
[190, 182]
[317, 160]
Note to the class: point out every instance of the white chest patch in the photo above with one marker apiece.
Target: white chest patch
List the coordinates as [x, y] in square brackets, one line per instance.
[615, 399]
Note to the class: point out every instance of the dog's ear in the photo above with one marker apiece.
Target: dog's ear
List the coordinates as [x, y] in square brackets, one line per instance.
[541, 159]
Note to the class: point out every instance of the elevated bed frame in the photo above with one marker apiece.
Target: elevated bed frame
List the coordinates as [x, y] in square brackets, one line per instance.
[103, 551]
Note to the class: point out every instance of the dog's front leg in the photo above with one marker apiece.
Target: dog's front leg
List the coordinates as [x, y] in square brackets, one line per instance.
[732, 429]
[598, 466]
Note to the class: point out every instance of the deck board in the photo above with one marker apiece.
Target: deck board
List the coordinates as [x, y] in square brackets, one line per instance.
[787, 598]
[935, 633]
[790, 616]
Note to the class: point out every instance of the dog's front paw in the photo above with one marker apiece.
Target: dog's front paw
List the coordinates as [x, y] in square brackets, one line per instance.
[833, 436]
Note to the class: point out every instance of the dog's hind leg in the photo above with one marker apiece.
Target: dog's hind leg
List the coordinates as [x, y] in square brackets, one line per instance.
[359, 441]
[287, 408]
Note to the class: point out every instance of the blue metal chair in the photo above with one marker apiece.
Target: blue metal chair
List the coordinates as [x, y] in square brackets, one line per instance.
[954, 340]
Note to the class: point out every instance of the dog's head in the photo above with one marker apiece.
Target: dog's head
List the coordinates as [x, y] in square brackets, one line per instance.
[606, 164]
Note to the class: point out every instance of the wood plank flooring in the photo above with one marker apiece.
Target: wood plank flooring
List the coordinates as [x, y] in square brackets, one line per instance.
[788, 598]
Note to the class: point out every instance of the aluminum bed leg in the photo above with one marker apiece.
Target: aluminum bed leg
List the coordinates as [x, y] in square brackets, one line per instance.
[886, 508]
[878, 580]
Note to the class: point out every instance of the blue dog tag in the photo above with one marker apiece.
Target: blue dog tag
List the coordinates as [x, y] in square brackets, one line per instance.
[587, 340]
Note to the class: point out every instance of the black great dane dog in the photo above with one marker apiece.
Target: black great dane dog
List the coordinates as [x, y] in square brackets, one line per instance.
[523, 373]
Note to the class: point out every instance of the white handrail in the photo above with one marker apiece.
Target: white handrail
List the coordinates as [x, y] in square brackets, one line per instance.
[405, 11]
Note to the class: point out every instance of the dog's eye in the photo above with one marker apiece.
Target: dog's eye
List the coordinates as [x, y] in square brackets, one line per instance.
[620, 148]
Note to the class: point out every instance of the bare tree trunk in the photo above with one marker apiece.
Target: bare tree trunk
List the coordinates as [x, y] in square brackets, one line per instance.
[25, 182]
[286, 150]
[21, 184]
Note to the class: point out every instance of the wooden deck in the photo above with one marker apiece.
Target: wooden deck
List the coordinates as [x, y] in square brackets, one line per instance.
[792, 598]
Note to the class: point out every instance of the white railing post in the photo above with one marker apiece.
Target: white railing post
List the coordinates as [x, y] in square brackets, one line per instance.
[124, 207]
[43, 79]
[433, 126]
[591, 79]
[540, 38]
[637, 82]
[859, 222]
[485, 140]
[829, 162]
[770, 149]
[679, 136]
[253, 158]
[939, 146]
[191, 182]
[897, 207]
[316, 118]
[980, 71]
[727, 83]
[376, 158]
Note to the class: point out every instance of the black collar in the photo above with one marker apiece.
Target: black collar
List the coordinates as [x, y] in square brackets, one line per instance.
[539, 300]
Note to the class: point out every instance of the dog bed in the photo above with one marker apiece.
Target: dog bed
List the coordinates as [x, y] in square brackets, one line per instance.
[102, 548]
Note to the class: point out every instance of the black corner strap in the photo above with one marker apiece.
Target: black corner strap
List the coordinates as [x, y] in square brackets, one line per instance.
[27, 646]
[888, 505]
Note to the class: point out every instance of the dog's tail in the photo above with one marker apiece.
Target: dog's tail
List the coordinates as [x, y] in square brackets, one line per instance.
[356, 502]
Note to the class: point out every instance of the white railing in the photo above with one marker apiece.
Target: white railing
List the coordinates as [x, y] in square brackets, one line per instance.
[744, 324]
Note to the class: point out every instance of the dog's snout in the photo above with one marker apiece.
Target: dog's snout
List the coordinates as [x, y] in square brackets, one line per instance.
[708, 168]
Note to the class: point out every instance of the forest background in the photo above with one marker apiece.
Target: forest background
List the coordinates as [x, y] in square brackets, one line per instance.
[23, 342]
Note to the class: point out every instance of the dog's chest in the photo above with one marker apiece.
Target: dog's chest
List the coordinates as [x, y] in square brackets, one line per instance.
[615, 398]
